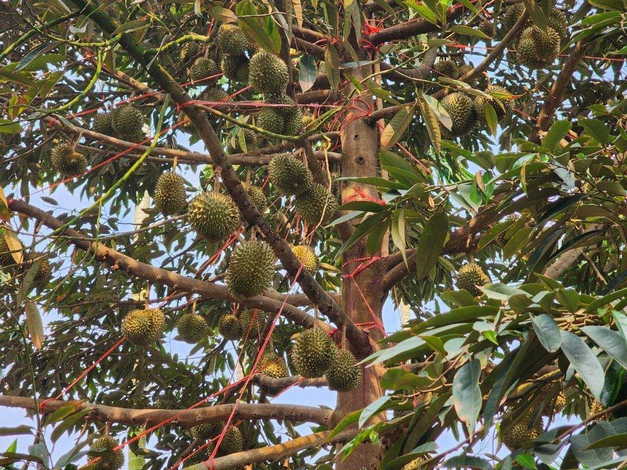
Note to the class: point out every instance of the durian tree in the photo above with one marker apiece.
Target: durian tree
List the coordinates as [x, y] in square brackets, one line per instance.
[310, 163]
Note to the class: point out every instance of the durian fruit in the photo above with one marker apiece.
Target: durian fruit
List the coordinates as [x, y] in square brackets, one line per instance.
[188, 50]
[267, 73]
[233, 441]
[215, 94]
[102, 448]
[235, 67]
[257, 196]
[520, 433]
[460, 108]
[170, 193]
[251, 269]
[293, 123]
[202, 68]
[500, 102]
[270, 120]
[232, 40]
[254, 322]
[230, 327]
[288, 107]
[273, 366]
[44, 273]
[66, 160]
[313, 352]
[127, 122]
[6, 258]
[344, 374]
[204, 431]
[447, 68]
[470, 276]
[307, 257]
[143, 327]
[102, 123]
[556, 20]
[316, 206]
[192, 327]
[538, 47]
[213, 215]
[416, 464]
[511, 15]
[290, 174]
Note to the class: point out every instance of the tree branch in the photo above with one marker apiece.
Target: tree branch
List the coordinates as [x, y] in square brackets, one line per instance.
[275, 386]
[163, 276]
[325, 303]
[185, 417]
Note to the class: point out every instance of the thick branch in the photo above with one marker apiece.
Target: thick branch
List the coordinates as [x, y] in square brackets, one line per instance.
[210, 414]
[159, 275]
[325, 303]
[274, 386]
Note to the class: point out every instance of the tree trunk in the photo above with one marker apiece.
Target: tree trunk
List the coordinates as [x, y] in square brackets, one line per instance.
[362, 296]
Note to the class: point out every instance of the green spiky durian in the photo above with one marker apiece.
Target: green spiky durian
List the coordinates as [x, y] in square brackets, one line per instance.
[537, 47]
[102, 448]
[294, 123]
[66, 160]
[192, 327]
[511, 15]
[216, 94]
[213, 215]
[235, 67]
[460, 108]
[233, 441]
[6, 258]
[290, 174]
[287, 106]
[188, 50]
[267, 73]
[273, 366]
[521, 433]
[170, 193]
[470, 276]
[254, 322]
[251, 269]
[557, 20]
[230, 327]
[102, 123]
[232, 40]
[447, 68]
[127, 122]
[202, 68]
[344, 374]
[256, 196]
[204, 431]
[500, 101]
[316, 206]
[44, 273]
[143, 327]
[270, 120]
[307, 257]
[313, 352]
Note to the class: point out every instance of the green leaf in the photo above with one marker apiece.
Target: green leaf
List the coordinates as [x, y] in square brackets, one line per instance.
[399, 379]
[34, 324]
[458, 315]
[397, 126]
[59, 414]
[469, 31]
[332, 66]
[547, 331]
[423, 10]
[597, 130]
[517, 241]
[263, 30]
[619, 441]
[467, 461]
[490, 117]
[431, 244]
[619, 294]
[608, 4]
[610, 341]
[584, 361]
[68, 423]
[500, 291]
[345, 422]
[9, 127]
[557, 131]
[467, 394]
[398, 231]
[307, 72]
[131, 26]
[23, 429]
[364, 206]
[372, 409]
[458, 298]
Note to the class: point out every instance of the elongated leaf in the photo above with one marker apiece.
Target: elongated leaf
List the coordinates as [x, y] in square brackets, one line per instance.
[23, 429]
[556, 132]
[332, 66]
[307, 72]
[432, 123]
[596, 129]
[261, 29]
[431, 243]
[423, 10]
[397, 126]
[467, 394]
[619, 294]
[4, 209]
[34, 324]
[584, 361]
[547, 331]
[610, 341]
[14, 244]
[468, 31]
[372, 409]
[617, 440]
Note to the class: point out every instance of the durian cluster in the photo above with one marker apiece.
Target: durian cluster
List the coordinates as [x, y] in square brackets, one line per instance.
[470, 277]
[192, 327]
[102, 449]
[66, 160]
[125, 122]
[232, 441]
[518, 431]
[143, 327]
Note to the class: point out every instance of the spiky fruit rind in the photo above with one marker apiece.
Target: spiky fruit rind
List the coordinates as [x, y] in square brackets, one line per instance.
[470, 277]
[290, 174]
[557, 20]
[230, 327]
[254, 322]
[204, 431]
[256, 196]
[192, 327]
[511, 15]
[170, 193]
[447, 68]
[216, 94]
[213, 215]
[499, 101]
[66, 160]
[293, 124]
[44, 272]
[313, 352]
[521, 433]
[460, 108]
[143, 326]
[538, 47]
[344, 374]
[6, 259]
[102, 123]
[307, 257]
[287, 106]
[316, 206]
[202, 68]
[251, 269]
[273, 366]
[232, 40]
[188, 50]
[127, 122]
[233, 441]
[267, 73]
[103, 449]
[270, 120]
